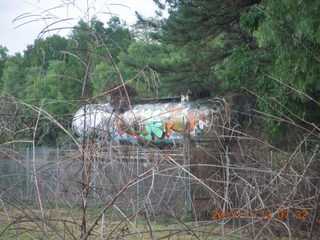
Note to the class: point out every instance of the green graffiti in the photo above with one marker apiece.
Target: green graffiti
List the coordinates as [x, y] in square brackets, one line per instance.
[154, 127]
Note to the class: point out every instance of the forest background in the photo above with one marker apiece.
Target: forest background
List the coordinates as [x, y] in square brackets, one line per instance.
[262, 56]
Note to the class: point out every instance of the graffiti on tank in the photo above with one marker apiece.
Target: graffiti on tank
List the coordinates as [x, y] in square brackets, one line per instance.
[157, 122]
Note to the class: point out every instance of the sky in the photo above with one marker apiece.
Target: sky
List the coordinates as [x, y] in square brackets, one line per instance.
[22, 21]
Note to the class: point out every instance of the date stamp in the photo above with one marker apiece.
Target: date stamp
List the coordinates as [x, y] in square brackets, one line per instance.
[263, 214]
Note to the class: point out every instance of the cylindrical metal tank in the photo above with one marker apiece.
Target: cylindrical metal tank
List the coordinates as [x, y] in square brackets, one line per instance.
[158, 122]
[93, 121]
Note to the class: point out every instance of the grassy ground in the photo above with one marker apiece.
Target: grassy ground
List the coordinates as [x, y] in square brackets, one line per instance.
[65, 224]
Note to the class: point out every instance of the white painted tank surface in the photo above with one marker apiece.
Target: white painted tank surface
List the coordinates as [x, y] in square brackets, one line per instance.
[93, 120]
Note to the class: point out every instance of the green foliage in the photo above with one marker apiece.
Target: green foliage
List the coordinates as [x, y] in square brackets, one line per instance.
[138, 66]
[288, 31]
[104, 75]
[55, 72]
[263, 46]
[200, 35]
[206, 47]
[3, 58]
[14, 76]
[44, 50]
[238, 70]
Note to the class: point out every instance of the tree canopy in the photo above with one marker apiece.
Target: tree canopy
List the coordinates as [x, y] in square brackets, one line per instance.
[260, 54]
